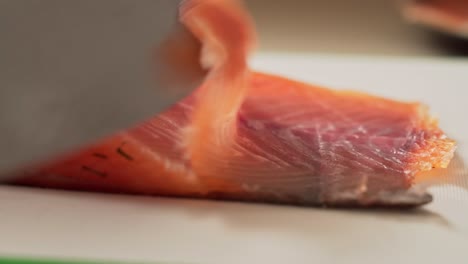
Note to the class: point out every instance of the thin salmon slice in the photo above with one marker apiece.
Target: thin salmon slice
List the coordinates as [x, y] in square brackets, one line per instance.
[250, 136]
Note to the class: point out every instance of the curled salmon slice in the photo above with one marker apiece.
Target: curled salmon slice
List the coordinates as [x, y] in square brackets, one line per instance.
[250, 136]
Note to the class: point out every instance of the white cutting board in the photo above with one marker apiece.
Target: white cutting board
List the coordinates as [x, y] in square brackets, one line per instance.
[69, 224]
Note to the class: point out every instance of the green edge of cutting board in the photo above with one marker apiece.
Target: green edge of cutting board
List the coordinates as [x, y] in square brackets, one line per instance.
[14, 260]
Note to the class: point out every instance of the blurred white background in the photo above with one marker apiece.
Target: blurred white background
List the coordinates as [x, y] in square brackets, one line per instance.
[346, 26]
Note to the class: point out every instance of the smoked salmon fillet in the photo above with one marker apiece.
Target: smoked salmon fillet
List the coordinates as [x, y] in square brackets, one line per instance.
[250, 136]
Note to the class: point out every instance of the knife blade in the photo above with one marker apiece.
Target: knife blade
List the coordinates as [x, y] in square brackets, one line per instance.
[72, 72]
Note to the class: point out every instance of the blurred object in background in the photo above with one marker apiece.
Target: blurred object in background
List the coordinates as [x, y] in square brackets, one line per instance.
[364, 27]
[450, 16]
[447, 19]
